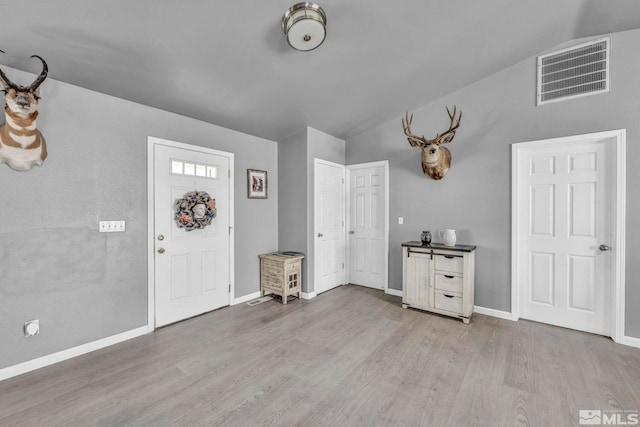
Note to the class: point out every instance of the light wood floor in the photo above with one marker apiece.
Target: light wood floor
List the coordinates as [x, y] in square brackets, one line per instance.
[350, 357]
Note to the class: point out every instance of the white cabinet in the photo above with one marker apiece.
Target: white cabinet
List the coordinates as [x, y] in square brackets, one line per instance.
[439, 278]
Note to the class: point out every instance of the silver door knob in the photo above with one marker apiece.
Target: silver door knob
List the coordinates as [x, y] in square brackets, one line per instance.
[160, 237]
[320, 235]
[604, 248]
[160, 250]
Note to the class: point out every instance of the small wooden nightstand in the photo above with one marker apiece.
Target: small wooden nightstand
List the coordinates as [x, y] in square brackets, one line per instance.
[281, 274]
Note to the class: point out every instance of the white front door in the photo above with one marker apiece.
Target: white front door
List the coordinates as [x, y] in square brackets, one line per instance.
[565, 216]
[191, 268]
[368, 224]
[329, 225]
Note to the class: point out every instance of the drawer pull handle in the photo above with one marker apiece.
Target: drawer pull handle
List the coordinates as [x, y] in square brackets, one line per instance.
[449, 256]
[449, 277]
[448, 296]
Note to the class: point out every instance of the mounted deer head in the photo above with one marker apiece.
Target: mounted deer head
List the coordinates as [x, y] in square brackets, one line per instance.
[436, 159]
[22, 146]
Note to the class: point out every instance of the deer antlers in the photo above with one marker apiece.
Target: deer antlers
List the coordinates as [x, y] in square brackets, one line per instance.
[448, 135]
[414, 140]
[419, 141]
[436, 160]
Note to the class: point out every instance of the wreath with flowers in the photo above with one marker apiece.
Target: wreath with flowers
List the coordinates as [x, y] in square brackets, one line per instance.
[195, 210]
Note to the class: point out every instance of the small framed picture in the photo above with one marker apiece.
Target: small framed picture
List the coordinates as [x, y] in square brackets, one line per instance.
[257, 185]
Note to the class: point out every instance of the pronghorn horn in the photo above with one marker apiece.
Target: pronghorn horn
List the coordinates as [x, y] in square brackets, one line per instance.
[41, 77]
[34, 85]
[6, 80]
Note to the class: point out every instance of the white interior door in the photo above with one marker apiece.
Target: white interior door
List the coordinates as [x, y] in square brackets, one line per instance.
[191, 268]
[368, 224]
[329, 225]
[565, 214]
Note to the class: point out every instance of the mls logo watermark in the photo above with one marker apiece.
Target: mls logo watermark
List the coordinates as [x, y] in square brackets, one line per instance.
[590, 417]
[597, 417]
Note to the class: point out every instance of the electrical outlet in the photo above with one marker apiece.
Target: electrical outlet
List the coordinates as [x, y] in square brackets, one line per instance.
[31, 328]
[111, 226]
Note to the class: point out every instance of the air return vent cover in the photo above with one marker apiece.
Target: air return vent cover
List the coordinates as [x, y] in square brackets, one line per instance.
[577, 71]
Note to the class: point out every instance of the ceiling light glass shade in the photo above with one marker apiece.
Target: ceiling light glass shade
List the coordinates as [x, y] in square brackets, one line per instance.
[304, 24]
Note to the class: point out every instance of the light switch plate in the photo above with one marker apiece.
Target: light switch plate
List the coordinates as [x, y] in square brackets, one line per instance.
[400, 220]
[111, 226]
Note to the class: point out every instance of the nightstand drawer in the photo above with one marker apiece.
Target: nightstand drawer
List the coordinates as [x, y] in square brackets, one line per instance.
[448, 283]
[293, 267]
[449, 302]
[449, 263]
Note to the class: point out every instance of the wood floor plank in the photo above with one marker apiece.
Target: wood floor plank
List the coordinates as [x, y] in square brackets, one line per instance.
[351, 356]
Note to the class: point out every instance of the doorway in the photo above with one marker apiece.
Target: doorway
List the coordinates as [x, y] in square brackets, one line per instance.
[568, 247]
[368, 224]
[190, 267]
[329, 225]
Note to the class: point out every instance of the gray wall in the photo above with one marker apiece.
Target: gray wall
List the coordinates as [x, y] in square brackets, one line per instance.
[55, 266]
[292, 203]
[474, 197]
[296, 156]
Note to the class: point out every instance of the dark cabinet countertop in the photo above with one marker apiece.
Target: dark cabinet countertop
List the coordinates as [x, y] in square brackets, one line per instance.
[460, 248]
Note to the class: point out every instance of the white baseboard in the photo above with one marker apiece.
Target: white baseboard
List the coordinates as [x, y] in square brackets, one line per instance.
[246, 298]
[631, 341]
[309, 295]
[70, 353]
[493, 313]
[395, 292]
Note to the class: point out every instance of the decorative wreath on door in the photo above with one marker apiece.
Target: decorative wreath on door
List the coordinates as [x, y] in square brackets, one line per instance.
[195, 210]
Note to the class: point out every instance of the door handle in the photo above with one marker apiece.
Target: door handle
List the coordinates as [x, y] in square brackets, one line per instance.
[160, 237]
[320, 235]
[604, 247]
[352, 232]
[160, 250]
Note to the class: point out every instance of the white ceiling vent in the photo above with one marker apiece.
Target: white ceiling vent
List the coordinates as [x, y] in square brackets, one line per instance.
[577, 71]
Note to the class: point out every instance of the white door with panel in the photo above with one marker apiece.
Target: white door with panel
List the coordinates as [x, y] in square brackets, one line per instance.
[565, 216]
[368, 225]
[191, 268]
[329, 226]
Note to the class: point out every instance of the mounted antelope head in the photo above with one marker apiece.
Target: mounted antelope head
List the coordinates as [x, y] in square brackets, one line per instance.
[435, 158]
[22, 146]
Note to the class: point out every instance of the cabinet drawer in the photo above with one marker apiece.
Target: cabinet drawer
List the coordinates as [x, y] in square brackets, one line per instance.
[449, 302]
[293, 268]
[449, 283]
[449, 263]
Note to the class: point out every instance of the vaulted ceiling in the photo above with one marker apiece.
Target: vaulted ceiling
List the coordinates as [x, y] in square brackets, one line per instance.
[227, 62]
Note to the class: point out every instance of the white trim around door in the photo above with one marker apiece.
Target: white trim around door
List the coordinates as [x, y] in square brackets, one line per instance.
[151, 143]
[385, 267]
[618, 139]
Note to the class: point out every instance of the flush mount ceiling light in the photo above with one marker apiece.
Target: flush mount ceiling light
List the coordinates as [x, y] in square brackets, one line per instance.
[304, 24]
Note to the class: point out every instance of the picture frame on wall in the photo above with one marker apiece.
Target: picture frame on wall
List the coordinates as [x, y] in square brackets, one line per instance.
[257, 185]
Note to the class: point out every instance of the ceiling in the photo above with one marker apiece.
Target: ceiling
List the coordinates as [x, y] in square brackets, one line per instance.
[228, 63]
